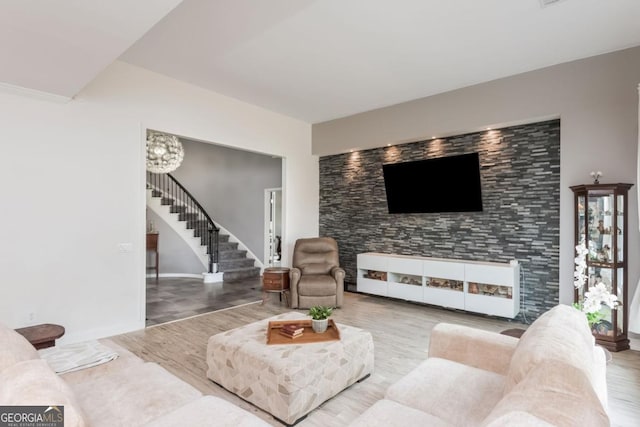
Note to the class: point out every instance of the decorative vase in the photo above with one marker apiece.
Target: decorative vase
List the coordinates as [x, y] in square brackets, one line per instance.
[319, 326]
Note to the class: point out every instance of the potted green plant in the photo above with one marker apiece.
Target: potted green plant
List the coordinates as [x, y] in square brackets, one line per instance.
[319, 317]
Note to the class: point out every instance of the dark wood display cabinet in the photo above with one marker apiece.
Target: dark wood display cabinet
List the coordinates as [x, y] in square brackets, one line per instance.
[601, 224]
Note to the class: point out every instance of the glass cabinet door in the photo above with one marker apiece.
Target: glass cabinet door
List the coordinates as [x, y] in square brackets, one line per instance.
[620, 231]
[601, 221]
[581, 218]
[620, 312]
[600, 229]
[603, 275]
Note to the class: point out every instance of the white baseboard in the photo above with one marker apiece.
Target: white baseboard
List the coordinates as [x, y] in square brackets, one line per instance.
[213, 277]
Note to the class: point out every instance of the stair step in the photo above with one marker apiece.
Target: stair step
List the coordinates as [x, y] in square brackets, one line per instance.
[204, 240]
[232, 264]
[241, 273]
[204, 237]
[188, 216]
[178, 209]
[227, 246]
[198, 226]
[232, 261]
[228, 255]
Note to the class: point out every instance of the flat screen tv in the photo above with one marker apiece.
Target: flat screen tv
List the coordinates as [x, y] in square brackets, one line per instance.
[443, 184]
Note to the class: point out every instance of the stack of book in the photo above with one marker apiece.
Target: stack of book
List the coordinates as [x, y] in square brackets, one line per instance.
[291, 331]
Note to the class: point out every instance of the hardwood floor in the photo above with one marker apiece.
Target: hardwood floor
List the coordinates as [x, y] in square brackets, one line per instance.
[180, 347]
[171, 299]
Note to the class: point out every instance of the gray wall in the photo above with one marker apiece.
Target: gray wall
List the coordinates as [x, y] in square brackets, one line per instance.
[230, 185]
[175, 255]
[596, 99]
[520, 174]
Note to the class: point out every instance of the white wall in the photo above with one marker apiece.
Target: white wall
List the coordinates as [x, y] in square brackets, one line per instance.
[65, 162]
[175, 256]
[595, 98]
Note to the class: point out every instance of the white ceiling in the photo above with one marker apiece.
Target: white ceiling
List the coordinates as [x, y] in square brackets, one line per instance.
[59, 46]
[311, 59]
[322, 59]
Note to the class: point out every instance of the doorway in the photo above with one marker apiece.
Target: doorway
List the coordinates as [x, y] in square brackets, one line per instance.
[180, 292]
[272, 227]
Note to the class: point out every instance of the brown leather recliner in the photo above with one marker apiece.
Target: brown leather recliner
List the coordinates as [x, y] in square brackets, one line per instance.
[316, 277]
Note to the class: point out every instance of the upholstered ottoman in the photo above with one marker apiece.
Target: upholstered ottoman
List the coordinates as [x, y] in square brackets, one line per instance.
[288, 380]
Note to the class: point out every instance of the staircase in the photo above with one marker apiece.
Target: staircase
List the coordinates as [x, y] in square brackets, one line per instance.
[225, 256]
[234, 262]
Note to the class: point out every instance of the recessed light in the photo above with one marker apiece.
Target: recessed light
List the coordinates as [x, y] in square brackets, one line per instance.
[488, 128]
[351, 151]
[388, 145]
[433, 137]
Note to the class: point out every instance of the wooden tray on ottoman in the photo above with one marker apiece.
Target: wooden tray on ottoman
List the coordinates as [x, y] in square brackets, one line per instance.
[308, 336]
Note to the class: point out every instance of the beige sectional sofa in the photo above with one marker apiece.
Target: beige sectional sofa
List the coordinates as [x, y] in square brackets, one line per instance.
[124, 392]
[553, 376]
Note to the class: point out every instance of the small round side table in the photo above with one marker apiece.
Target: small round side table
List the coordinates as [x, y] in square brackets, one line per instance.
[515, 332]
[276, 279]
[42, 336]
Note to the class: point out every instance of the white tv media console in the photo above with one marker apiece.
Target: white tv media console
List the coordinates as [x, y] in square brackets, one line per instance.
[482, 287]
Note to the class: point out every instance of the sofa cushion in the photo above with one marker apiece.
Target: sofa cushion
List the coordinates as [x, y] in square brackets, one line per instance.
[208, 411]
[123, 361]
[473, 347]
[133, 396]
[456, 393]
[561, 334]
[520, 419]
[385, 413]
[15, 348]
[555, 392]
[33, 383]
[599, 380]
[317, 286]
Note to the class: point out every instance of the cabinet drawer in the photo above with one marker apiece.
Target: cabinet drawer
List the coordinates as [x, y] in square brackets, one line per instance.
[444, 270]
[152, 241]
[275, 281]
[491, 275]
[273, 287]
[369, 286]
[372, 262]
[405, 265]
[494, 306]
[444, 297]
[406, 292]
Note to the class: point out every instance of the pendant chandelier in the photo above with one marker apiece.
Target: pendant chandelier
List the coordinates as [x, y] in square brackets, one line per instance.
[164, 152]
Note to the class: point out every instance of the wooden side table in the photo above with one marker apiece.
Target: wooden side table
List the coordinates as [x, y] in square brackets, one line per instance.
[276, 279]
[515, 332]
[42, 336]
[152, 245]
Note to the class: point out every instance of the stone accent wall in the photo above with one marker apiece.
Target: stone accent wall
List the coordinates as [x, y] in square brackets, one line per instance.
[520, 173]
